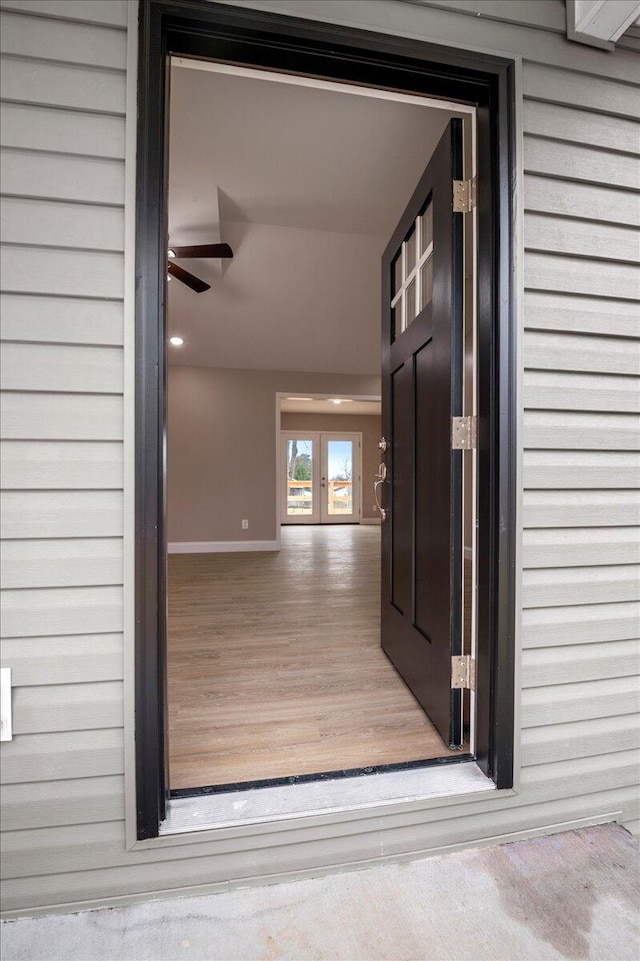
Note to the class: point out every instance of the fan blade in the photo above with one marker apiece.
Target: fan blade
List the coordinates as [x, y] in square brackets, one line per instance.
[194, 282]
[203, 250]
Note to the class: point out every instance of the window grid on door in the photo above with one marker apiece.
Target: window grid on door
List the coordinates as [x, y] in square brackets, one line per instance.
[413, 272]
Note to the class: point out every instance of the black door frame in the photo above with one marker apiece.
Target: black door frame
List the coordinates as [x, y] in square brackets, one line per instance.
[198, 28]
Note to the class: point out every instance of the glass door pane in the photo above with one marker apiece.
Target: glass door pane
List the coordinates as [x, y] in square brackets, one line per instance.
[299, 464]
[339, 477]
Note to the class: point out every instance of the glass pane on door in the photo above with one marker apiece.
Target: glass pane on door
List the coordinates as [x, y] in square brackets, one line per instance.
[299, 467]
[339, 477]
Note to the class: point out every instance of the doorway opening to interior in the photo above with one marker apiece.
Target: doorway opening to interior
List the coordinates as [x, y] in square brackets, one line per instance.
[303, 265]
[311, 633]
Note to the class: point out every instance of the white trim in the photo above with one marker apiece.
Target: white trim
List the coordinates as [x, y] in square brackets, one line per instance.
[599, 23]
[279, 466]
[377, 93]
[220, 547]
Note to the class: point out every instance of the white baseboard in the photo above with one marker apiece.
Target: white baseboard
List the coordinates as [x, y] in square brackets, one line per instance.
[371, 520]
[221, 547]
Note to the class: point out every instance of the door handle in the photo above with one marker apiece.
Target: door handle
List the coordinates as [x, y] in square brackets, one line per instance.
[381, 478]
[383, 513]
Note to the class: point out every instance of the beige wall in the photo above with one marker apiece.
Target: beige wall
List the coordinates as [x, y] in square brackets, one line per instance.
[221, 447]
[366, 424]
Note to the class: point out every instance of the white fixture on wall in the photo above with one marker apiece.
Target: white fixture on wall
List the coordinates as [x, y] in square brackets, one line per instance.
[176, 341]
[6, 730]
[600, 23]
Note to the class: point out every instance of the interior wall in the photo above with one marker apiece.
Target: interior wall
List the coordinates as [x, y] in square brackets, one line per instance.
[221, 448]
[369, 425]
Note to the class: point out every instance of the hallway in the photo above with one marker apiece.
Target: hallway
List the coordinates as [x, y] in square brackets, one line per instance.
[275, 666]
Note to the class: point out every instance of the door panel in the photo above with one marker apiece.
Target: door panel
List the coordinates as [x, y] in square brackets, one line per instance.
[422, 391]
[402, 493]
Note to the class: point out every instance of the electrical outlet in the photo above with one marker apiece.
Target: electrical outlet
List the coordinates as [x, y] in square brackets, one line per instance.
[245, 525]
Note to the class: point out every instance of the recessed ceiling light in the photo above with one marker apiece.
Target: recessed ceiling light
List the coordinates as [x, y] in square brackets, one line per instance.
[171, 252]
[176, 341]
[340, 400]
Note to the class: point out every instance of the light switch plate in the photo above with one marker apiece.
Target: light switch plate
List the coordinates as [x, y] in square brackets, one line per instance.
[5, 704]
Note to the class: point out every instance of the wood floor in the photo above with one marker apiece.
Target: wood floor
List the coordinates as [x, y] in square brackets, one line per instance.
[275, 667]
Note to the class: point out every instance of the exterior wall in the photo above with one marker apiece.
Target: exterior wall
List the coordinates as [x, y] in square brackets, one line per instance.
[64, 837]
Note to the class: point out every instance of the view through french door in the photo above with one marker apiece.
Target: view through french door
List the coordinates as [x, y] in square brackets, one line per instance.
[320, 477]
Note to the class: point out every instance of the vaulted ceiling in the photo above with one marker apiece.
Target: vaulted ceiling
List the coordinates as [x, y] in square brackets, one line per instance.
[307, 185]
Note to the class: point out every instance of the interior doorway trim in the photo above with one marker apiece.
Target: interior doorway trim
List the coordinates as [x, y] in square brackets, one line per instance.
[265, 41]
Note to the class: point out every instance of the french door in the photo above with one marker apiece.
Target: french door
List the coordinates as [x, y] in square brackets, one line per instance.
[421, 475]
[320, 477]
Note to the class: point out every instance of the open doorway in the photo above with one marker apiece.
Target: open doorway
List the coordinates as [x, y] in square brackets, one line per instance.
[328, 459]
[402, 70]
[275, 663]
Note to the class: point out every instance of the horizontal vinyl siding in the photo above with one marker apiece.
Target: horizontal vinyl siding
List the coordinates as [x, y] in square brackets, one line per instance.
[581, 396]
[63, 125]
[62, 222]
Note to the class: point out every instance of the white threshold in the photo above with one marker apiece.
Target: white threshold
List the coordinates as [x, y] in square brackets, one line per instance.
[220, 547]
[335, 796]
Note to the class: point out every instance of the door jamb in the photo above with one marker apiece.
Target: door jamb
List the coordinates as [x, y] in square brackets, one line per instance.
[210, 30]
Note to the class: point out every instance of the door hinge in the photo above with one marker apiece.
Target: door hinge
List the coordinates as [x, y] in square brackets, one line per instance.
[463, 672]
[463, 433]
[464, 195]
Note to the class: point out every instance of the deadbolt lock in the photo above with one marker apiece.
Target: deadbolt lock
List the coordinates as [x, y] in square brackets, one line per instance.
[382, 444]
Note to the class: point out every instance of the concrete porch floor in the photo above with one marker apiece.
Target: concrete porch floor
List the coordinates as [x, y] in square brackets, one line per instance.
[572, 895]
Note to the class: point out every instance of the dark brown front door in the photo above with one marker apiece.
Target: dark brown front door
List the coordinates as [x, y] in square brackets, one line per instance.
[422, 371]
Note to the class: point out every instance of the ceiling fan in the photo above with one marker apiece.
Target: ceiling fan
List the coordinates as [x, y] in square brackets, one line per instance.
[200, 251]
